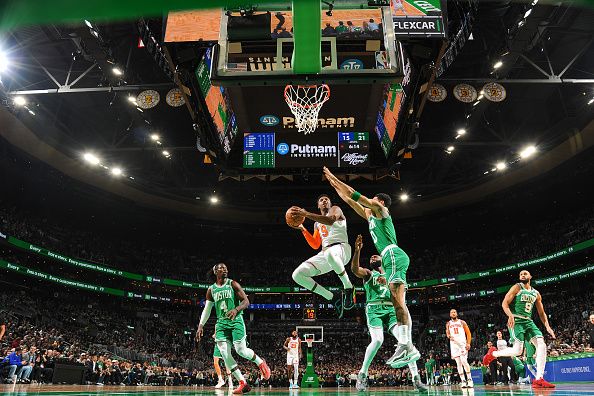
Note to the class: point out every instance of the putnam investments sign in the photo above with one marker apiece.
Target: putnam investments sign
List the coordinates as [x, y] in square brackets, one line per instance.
[418, 18]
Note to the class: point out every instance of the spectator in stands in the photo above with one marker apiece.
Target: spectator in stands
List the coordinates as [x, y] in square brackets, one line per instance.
[15, 362]
[28, 359]
[328, 30]
[490, 362]
[591, 330]
[341, 28]
[372, 26]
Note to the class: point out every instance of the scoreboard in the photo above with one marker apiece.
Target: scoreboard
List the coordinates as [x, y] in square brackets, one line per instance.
[295, 150]
[309, 313]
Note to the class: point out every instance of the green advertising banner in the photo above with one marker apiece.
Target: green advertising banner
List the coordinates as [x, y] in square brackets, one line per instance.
[537, 282]
[285, 289]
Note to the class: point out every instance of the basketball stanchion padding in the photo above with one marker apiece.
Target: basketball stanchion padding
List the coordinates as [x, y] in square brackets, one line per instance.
[310, 378]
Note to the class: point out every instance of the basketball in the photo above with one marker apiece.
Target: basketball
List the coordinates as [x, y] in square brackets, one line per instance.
[292, 220]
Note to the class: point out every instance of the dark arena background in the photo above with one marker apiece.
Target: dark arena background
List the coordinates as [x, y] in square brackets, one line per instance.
[154, 153]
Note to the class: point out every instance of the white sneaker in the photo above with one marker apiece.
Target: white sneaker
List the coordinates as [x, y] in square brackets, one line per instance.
[470, 384]
[220, 383]
[463, 384]
[295, 386]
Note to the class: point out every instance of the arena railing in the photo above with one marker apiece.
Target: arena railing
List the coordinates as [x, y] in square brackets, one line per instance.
[283, 289]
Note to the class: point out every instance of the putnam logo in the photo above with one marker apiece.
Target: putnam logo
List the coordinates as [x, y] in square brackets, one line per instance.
[342, 122]
[311, 151]
[282, 148]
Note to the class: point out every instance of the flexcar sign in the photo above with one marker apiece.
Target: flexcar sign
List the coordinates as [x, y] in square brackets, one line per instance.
[269, 120]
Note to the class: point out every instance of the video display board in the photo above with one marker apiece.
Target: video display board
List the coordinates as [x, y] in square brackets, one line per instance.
[296, 150]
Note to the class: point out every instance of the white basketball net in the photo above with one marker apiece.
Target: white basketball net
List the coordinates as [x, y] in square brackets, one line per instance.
[305, 102]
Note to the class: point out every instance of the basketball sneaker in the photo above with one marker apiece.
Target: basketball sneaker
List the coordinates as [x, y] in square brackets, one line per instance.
[349, 298]
[542, 383]
[470, 384]
[264, 370]
[295, 386]
[361, 382]
[419, 385]
[220, 383]
[403, 355]
[242, 388]
[337, 302]
[463, 384]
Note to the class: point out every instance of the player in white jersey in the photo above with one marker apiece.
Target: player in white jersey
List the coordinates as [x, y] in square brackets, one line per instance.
[330, 232]
[294, 353]
[459, 335]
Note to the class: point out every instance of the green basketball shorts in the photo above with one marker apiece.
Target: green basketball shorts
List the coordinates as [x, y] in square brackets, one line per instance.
[230, 330]
[524, 330]
[380, 316]
[395, 263]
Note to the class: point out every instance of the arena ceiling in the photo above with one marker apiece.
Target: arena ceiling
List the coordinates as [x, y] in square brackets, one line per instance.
[547, 68]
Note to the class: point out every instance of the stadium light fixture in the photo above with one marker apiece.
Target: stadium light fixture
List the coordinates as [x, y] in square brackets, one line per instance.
[88, 24]
[117, 71]
[591, 101]
[91, 159]
[404, 197]
[155, 137]
[214, 200]
[501, 165]
[20, 100]
[527, 14]
[4, 63]
[116, 171]
[498, 65]
[528, 151]
[31, 112]
[132, 99]
[166, 153]
[450, 148]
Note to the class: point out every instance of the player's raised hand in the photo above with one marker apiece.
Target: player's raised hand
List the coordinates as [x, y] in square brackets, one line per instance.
[297, 211]
[359, 242]
[550, 331]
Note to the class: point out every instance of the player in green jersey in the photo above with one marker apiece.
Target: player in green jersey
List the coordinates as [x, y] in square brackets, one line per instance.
[394, 261]
[216, 357]
[518, 304]
[380, 314]
[229, 301]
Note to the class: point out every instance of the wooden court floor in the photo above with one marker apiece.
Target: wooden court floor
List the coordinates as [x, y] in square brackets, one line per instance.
[479, 390]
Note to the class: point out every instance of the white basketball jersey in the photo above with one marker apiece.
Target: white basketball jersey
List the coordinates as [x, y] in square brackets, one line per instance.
[293, 346]
[335, 233]
[457, 333]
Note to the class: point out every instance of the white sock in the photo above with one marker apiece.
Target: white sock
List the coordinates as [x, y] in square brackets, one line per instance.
[414, 370]
[346, 282]
[403, 334]
[541, 357]
[290, 381]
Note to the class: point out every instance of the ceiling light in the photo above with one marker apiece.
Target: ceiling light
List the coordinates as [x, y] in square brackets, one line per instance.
[132, 99]
[534, 3]
[497, 65]
[501, 165]
[130, 177]
[154, 137]
[166, 153]
[139, 109]
[94, 33]
[527, 14]
[31, 112]
[481, 96]
[485, 172]
[450, 149]
[477, 102]
[521, 23]
[461, 132]
[404, 197]
[20, 100]
[591, 101]
[91, 159]
[214, 200]
[3, 62]
[88, 24]
[116, 171]
[117, 71]
[527, 151]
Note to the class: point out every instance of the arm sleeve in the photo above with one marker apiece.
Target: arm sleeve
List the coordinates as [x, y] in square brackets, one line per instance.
[467, 331]
[315, 240]
[206, 312]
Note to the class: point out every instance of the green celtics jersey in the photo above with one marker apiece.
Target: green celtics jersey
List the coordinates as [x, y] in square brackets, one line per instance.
[225, 300]
[524, 302]
[382, 232]
[375, 292]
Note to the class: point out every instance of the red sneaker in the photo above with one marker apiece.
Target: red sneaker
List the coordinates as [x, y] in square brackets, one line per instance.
[264, 370]
[242, 388]
[542, 383]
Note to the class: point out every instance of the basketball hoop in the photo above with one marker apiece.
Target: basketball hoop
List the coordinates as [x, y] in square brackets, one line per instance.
[309, 341]
[305, 102]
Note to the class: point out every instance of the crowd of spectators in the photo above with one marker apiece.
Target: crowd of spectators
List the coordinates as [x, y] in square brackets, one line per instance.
[193, 264]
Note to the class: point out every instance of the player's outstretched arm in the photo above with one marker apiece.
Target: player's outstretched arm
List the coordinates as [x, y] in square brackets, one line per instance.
[243, 298]
[543, 316]
[359, 272]
[205, 314]
[360, 210]
[344, 189]
[334, 214]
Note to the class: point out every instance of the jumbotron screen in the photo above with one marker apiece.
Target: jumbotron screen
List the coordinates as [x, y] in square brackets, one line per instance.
[295, 150]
